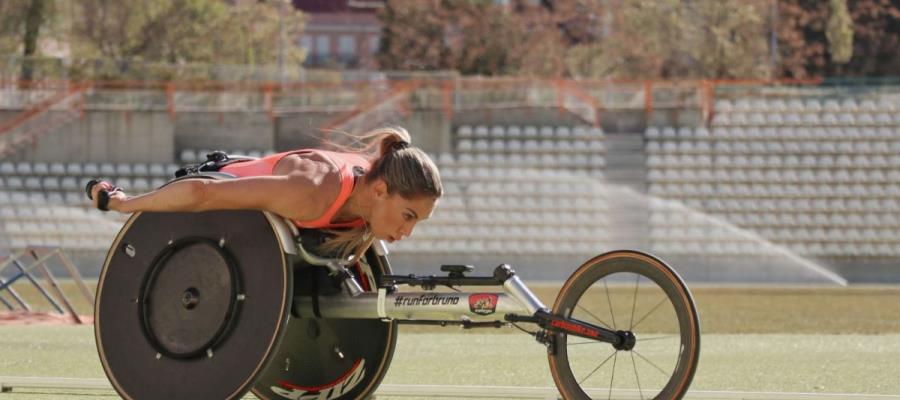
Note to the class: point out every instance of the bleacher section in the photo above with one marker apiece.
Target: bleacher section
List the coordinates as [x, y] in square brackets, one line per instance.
[506, 198]
[510, 188]
[44, 204]
[821, 177]
[568, 148]
[509, 210]
[190, 156]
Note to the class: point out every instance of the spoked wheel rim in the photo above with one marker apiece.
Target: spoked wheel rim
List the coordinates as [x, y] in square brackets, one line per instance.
[638, 294]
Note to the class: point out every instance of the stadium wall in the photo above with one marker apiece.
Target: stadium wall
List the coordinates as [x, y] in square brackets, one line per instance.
[670, 117]
[106, 136]
[299, 130]
[155, 136]
[231, 130]
[430, 130]
[7, 114]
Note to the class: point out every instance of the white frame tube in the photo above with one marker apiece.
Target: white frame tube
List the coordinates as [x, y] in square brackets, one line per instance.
[416, 306]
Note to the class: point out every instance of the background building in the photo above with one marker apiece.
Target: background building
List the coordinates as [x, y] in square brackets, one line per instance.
[341, 33]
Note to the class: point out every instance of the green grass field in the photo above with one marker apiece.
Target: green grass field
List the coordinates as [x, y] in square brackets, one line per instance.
[814, 339]
[732, 309]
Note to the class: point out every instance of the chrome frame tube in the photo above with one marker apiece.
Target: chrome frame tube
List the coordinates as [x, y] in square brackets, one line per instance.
[415, 306]
[336, 266]
[517, 289]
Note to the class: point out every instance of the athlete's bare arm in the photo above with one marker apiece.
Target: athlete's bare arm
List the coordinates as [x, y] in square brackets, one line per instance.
[286, 195]
[302, 194]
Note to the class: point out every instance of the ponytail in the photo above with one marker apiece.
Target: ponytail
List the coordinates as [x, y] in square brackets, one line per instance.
[406, 170]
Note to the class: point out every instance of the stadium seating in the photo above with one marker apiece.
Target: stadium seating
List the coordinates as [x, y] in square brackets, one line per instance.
[819, 176]
[502, 195]
[44, 204]
[529, 146]
[816, 176]
[503, 188]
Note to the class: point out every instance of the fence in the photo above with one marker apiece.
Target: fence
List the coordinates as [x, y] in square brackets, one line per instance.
[34, 259]
[44, 108]
[353, 94]
[582, 98]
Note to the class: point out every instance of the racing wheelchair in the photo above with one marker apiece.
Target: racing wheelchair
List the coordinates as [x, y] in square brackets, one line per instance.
[211, 305]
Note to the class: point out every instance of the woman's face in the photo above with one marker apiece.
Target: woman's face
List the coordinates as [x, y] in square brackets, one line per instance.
[394, 217]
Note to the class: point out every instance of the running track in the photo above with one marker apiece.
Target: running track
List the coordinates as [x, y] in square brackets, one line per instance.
[24, 384]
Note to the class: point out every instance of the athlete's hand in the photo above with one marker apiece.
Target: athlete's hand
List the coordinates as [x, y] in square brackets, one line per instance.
[115, 196]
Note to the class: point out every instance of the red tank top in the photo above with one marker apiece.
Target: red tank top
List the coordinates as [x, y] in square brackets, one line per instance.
[344, 162]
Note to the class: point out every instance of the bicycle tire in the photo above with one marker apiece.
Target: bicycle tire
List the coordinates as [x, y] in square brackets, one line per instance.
[626, 263]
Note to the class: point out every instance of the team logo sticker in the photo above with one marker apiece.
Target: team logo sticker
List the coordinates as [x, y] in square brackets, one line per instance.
[483, 303]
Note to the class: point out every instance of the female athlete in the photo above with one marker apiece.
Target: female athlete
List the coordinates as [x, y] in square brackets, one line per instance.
[371, 197]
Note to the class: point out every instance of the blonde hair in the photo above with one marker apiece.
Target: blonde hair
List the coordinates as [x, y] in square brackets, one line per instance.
[406, 170]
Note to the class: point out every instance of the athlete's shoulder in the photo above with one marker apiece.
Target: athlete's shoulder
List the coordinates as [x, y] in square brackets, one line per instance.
[344, 158]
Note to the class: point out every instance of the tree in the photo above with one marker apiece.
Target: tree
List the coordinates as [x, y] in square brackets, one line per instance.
[181, 31]
[803, 43]
[839, 32]
[128, 29]
[489, 38]
[21, 24]
[472, 37]
[674, 39]
[561, 37]
[415, 36]
[10, 26]
[249, 34]
[618, 39]
[34, 17]
[876, 38]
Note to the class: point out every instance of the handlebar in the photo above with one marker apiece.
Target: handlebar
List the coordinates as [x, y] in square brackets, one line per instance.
[337, 267]
[102, 195]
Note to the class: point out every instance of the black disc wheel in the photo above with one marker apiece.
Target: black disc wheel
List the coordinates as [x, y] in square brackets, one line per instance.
[334, 359]
[634, 294]
[190, 299]
[192, 305]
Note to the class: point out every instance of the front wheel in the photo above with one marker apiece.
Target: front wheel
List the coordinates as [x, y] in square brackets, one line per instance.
[627, 291]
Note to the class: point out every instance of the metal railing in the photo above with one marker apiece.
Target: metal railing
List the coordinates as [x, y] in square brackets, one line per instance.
[42, 112]
[34, 260]
[350, 95]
